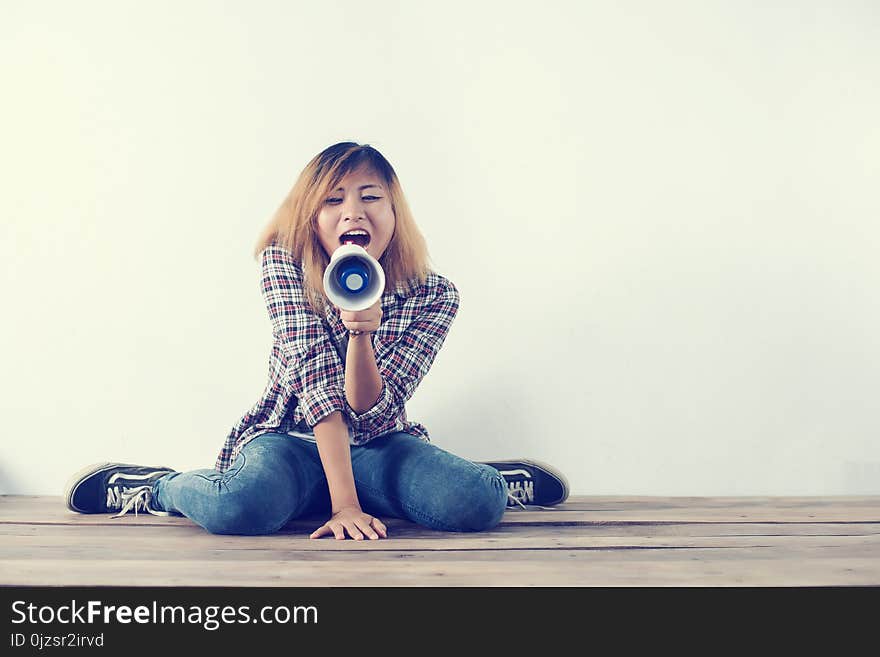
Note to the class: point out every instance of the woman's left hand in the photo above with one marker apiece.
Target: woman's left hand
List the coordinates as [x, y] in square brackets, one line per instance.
[362, 320]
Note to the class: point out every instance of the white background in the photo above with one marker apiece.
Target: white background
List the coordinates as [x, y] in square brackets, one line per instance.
[662, 219]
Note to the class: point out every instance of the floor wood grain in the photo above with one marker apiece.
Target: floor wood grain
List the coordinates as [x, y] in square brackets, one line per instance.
[588, 541]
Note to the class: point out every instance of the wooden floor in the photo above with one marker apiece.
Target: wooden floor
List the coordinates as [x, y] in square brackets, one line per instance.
[588, 541]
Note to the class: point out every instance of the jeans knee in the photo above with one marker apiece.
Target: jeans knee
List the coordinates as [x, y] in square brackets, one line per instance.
[482, 503]
[241, 514]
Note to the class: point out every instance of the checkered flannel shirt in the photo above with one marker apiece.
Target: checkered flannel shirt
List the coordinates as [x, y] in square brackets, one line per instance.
[306, 364]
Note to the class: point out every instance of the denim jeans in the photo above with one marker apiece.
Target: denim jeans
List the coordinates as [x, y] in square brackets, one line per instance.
[277, 478]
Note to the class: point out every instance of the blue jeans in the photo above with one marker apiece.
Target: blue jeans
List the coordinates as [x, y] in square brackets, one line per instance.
[277, 478]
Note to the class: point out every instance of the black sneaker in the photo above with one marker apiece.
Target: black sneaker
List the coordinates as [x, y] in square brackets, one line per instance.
[532, 482]
[107, 487]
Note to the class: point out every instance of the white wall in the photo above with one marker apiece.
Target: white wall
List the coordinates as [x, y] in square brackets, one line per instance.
[662, 218]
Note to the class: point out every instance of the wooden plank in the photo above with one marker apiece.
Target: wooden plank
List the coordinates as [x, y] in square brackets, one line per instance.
[158, 542]
[606, 502]
[20, 509]
[586, 502]
[517, 549]
[399, 529]
[585, 568]
[735, 550]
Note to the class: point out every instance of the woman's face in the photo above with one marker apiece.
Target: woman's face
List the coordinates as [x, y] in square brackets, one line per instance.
[359, 203]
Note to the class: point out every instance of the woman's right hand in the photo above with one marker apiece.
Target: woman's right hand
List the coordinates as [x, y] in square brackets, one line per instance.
[352, 520]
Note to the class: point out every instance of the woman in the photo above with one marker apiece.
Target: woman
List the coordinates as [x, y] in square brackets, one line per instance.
[330, 434]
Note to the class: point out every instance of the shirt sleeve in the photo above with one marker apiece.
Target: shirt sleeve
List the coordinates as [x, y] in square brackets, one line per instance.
[314, 371]
[405, 364]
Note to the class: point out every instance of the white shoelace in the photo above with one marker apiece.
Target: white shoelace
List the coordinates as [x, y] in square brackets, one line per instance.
[520, 492]
[137, 498]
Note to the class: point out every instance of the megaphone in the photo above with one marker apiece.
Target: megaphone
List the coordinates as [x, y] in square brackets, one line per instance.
[354, 279]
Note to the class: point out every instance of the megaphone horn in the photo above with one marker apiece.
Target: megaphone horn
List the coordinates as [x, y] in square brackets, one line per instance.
[354, 279]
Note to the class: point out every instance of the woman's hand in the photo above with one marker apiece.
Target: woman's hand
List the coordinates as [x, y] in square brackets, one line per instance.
[362, 320]
[355, 522]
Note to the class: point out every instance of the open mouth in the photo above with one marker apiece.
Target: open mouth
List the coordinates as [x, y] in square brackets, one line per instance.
[359, 237]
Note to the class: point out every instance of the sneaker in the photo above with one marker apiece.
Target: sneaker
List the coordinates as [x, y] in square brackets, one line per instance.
[106, 487]
[532, 482]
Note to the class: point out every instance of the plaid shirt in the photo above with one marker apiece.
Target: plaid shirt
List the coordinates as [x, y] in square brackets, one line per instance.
[306, 364]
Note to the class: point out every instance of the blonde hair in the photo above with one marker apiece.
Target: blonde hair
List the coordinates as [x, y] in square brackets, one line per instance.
[294, 226]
